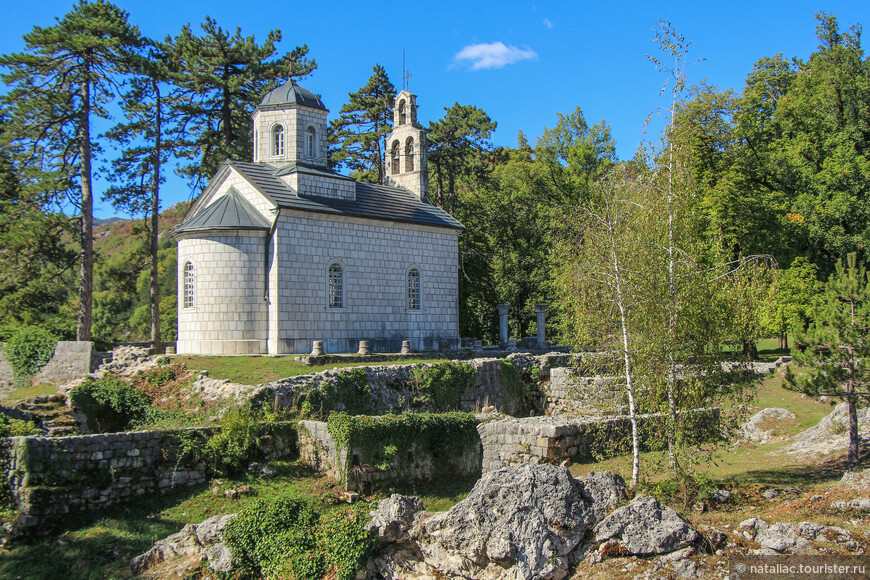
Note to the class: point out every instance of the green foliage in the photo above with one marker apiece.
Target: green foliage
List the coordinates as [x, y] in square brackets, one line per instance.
[285, 538]
[109, 404]
[837, 345]
[376, 437]
[353, 391]
[345, 540]
[278, 536]
[444, 383]
[357, 135]
[241, 431]
[513, 383]
[29, 350]
[17, 428]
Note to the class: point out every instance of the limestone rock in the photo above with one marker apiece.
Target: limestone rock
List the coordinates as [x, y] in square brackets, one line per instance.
[861, 504]
[517, 523]
[394, 517]
[645, 527]
[781, 537]
[859, 480]
[831, 434]
[760, 426]
[186, 549]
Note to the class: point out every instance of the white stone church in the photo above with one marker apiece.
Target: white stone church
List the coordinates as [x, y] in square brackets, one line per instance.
[281, 252]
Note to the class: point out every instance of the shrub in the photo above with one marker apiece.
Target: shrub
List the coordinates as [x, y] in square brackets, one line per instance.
[28, 350]
[109, 404]
[444, 383]
[276, 540]
[353, 390]
[17, 428]
[345, 540]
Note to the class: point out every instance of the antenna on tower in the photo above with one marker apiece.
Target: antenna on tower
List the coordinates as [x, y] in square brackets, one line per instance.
[405, 74]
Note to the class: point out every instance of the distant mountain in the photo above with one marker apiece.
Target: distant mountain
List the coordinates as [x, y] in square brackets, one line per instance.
[106, 221]
[114, 235]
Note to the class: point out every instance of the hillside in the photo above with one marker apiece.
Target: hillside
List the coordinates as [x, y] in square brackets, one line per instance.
[114, 236]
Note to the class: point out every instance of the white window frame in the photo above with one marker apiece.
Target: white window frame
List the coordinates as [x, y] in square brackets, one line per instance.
[188, 296]
[278, 141]
[409, 298]
[331, 303]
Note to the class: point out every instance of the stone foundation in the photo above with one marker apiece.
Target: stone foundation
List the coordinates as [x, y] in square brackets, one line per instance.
[47, 478]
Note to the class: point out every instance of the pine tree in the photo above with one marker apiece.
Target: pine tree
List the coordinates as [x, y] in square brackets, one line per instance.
[838, 345]
[357, 136]
[149, 136]
[65, 77]
[222, 78]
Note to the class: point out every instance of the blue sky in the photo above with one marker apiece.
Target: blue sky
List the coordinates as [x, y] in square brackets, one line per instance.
[522, 62]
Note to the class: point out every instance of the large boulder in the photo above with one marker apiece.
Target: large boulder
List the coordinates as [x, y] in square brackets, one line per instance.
[763, 425]
[645, 527]
[394, 517]
[831, 434]
[187, 550]
[517, 523]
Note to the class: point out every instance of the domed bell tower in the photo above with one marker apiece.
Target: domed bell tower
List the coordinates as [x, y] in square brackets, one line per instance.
[406, 158]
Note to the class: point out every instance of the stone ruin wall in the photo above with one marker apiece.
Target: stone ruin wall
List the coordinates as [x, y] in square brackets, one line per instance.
[71, 360]
[571, 394]
[355, 468]
[50, 477]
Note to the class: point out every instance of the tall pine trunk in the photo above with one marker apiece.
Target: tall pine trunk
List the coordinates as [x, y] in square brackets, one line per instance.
[154, 288]
[86, 264]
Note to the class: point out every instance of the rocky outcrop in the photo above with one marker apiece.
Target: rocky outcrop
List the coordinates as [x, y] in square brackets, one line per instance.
[517, 523]
[832, 433]
[784, 538]
[186, 550]
[762, 426]
[858, 480]
[645, 528]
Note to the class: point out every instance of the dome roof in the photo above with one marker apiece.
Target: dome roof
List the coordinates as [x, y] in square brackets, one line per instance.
[292, 94]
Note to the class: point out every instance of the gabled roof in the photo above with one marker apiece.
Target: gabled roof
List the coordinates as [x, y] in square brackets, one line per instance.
[378, 202]
[230, 212]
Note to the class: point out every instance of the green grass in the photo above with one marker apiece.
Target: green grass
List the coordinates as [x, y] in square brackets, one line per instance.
[28, 392]
[253, 370]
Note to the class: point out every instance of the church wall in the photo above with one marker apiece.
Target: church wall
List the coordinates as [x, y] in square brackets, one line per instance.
[296, 121]
[247, 191]
[320, 186]
[375, 258]
[230, 314]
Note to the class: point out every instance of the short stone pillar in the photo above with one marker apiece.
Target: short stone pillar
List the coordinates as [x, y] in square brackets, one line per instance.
[169, 350]
[542, 322]
[317, 349]
[503, 323]
[364, 347]
[406, 347]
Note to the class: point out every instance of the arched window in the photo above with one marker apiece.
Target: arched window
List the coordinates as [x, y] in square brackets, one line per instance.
[413, 289]
[189, 299]
[402, 112]
[278, 141]
[311, 142]
[394, 157]
[336, 286]
[409, 154]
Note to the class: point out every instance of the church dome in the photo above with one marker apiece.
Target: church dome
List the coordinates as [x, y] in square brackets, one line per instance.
[292, 94]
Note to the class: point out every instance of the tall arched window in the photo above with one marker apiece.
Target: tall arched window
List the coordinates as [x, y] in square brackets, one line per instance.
[402, 112]
[413, 289]
[189, 299]
[394, 157]
[336, 286]
[311, 142]
[278, 140]
[409, 154]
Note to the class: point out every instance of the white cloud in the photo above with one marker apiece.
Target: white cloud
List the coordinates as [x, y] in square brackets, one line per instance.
[547, 23]
[493, 55]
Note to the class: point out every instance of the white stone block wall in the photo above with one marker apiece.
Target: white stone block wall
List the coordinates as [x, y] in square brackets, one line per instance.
[246, 190]
[375, 258]
[296, 120]
[320, 186]
[230, 314]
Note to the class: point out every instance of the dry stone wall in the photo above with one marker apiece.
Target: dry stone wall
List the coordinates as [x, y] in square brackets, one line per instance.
[47, 478]
[570, 394]
[356, 468]
[554, 439]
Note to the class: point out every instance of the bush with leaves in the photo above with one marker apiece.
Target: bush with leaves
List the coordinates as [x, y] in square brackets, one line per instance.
[242, 429]
[109, 404]
[28, 350]
[17, 428]
[444, 383]
[343, 536]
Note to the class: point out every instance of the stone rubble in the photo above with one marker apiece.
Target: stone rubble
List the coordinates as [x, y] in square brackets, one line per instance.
[186, 550]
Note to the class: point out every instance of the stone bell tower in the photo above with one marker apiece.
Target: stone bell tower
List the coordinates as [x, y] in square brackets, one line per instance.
[406, 157]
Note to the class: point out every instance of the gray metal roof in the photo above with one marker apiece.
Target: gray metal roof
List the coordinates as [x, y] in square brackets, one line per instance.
[379, 202]
[230, 212]
[292, 94]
